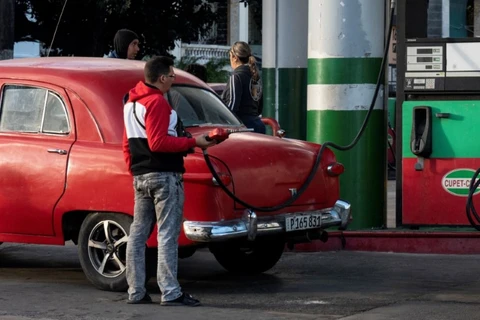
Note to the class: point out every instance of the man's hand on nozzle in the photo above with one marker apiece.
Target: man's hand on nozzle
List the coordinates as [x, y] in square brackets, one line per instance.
[203, 143]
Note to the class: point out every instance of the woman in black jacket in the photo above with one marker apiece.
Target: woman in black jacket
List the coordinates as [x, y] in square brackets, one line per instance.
[243, 93]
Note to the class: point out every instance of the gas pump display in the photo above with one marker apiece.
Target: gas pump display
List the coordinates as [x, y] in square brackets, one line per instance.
[440, 130]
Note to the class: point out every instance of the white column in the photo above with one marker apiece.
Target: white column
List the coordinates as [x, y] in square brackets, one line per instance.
[269, 33]
[243, 22]
[446, 18]
[269, 58]
[238, 22]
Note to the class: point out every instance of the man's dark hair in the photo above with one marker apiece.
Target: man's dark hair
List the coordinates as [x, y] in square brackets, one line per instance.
[198, 70]
[157, 66]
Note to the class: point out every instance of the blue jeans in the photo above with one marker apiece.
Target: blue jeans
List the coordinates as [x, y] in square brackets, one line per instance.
[253, 122]
[159, 199]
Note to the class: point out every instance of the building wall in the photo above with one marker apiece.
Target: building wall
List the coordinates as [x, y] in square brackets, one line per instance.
[234, 22]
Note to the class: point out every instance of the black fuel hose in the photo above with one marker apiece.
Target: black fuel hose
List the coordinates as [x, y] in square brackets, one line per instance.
[380, 80]
[391, 148]
[472, 214]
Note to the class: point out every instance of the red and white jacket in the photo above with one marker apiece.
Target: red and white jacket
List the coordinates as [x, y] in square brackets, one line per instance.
[151, 142]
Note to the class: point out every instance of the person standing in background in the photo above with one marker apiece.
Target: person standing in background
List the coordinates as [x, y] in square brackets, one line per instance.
[243, 93]
[198, 70]
[125, 45]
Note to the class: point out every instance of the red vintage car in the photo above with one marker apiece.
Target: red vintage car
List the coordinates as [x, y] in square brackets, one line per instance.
[63, 177]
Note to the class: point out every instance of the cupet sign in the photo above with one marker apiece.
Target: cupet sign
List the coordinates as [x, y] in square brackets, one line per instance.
[457, 182]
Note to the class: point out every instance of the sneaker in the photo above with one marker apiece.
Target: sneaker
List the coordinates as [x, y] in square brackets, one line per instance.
[146, 299]
[184, 300]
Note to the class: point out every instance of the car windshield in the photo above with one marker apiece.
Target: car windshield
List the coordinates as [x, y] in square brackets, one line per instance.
[197, 106]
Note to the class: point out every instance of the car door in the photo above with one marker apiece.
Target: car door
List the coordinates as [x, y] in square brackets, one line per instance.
[36, 135]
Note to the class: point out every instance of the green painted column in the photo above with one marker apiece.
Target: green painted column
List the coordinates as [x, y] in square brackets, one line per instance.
[345, 48]
[284, 64]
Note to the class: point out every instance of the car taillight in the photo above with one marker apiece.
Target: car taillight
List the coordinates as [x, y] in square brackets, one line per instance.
[335, 169]
[224, 177]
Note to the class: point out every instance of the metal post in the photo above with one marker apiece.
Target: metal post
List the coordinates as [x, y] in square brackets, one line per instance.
[7, 27]
[284, 68]
[401, 68]
[345, 48]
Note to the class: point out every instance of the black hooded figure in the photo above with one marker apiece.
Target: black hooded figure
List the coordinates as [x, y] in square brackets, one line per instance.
[122, 40]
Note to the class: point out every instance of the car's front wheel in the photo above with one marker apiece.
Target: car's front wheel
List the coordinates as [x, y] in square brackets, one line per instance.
[249, 257]
[102, 248]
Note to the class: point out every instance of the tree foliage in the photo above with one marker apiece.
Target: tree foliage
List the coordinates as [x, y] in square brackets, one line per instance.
[216, 68]
[87, 27]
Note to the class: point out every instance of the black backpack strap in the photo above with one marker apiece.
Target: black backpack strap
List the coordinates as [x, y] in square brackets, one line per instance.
[125, 98]
[135, 114]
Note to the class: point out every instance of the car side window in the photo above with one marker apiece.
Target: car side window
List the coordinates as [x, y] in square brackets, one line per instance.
[197, 106]
[34, 110]
[22, 108]
[181, 105]
[56, 120]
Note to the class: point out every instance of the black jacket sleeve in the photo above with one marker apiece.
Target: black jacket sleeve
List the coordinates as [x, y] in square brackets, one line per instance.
[233, 93]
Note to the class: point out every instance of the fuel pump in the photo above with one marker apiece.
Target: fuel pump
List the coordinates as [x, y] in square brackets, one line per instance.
[438, 105]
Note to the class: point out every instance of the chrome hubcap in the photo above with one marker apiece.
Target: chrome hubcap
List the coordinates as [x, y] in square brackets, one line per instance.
[107, 244]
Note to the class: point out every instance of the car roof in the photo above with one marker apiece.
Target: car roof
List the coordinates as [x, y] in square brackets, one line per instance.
[90, 78]
[79, 68]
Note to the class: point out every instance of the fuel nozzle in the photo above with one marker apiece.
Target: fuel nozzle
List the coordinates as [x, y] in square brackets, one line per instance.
[221, 134]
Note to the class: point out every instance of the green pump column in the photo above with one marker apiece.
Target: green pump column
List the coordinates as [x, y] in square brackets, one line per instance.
[345, 49]
[284, 64]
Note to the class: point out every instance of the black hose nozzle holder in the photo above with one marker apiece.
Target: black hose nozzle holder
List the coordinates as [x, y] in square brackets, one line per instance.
[421, 136]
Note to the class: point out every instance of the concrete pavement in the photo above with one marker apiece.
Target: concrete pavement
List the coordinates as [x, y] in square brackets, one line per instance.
[41, 282]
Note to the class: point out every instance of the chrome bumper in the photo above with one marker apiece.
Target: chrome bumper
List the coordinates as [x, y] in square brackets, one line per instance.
[250, 226]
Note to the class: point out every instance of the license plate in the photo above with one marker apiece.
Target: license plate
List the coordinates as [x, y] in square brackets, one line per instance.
[302, 222]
